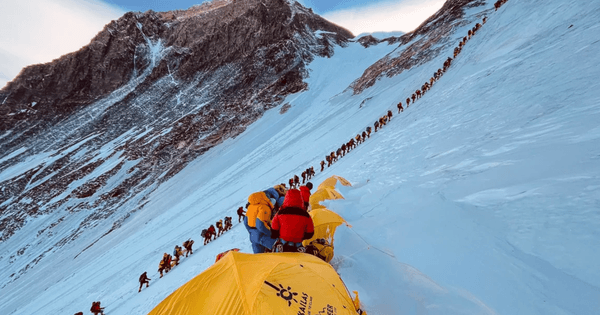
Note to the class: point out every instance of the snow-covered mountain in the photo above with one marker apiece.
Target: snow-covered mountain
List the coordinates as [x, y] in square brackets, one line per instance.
[105, 125]
[483, 197]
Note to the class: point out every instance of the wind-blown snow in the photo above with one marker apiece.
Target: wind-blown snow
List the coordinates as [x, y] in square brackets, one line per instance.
[481, 198]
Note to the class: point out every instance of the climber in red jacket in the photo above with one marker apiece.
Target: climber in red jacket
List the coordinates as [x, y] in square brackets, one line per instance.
[292, 224]
[305, 192]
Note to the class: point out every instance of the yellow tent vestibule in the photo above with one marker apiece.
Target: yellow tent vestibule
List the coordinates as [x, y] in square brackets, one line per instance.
[262, 284]
[325, 222]
[332, 181]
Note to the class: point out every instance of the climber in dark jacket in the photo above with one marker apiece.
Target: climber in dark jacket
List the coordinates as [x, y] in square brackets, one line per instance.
[292, 224]
[144, 280]
[96, 308]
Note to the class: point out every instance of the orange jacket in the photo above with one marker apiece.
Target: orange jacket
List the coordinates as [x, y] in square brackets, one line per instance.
[260, 207]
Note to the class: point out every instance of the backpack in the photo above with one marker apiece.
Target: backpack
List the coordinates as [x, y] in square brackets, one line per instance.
[320, 248]
[203, 234]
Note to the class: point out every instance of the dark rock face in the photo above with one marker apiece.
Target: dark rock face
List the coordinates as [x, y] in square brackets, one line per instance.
[102, 127]
[419, 46]
[368, 40]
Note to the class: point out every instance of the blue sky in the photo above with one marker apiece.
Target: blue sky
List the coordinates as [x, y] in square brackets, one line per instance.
[38, 31]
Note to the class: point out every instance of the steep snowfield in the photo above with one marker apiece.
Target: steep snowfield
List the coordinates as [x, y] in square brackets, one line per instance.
[482, 198]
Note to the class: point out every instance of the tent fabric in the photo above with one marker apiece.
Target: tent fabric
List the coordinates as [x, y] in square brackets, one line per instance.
[262, 284]
[325, 222]
[221, 255]
[323, 194]
[332, 181]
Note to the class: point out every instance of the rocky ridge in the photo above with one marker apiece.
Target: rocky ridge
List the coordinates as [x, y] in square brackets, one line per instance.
[98, 129]
[421, 45]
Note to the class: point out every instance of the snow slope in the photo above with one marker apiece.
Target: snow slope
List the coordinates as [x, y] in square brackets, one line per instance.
[481, 198]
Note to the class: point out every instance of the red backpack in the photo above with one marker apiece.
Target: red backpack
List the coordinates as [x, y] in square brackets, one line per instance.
[95, 307]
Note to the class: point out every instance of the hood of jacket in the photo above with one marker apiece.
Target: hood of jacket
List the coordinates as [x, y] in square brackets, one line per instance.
[259, 198]
[293, 198]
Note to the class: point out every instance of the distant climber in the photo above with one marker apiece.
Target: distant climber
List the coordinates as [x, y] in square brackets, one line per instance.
[207, 234]
[228, 223]
[188, 247]
[240, 213]
[220, 228]
[96, 309]
[162, 265]
[322, 165]
[212, 232]
[368, 133]
[144, 280]
[382, 121]
[376, 125]
[177, 252]
[400, 108]
[497, 5]
[168, 260]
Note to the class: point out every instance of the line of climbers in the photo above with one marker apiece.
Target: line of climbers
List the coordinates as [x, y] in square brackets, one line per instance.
[306, 176]
[211, 233]
[169, 261]
[277, 219]
[334, 156]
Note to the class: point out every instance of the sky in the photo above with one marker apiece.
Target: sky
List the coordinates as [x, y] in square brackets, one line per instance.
[38, 31]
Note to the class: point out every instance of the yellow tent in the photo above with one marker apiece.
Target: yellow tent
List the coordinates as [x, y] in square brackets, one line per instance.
[332, 181]
[321, 194]
[262, 284]
[325, 221]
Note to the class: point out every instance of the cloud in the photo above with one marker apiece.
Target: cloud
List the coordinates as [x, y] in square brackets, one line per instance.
[402, 16]
[38, 31]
